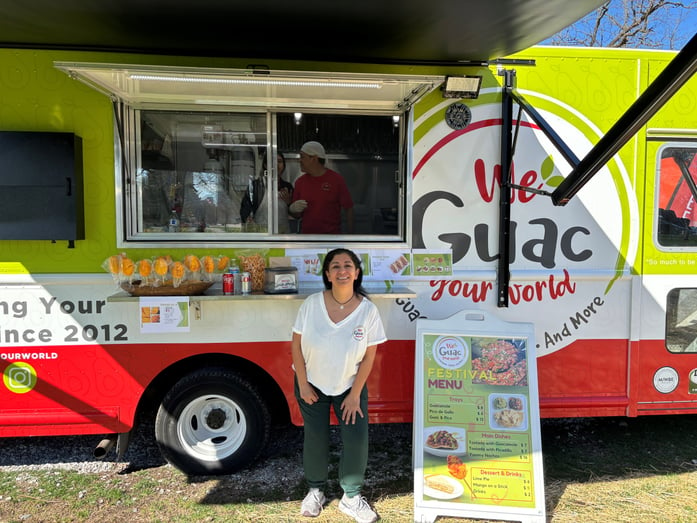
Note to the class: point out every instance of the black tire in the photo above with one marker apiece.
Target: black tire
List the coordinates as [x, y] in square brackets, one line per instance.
[212, 422]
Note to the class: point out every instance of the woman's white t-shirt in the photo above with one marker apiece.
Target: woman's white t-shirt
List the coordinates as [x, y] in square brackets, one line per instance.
[333, 351]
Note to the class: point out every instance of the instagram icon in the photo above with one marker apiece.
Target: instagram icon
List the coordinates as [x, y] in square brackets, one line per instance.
[19, 377]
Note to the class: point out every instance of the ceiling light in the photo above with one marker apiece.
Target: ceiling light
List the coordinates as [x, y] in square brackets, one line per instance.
[255, 81]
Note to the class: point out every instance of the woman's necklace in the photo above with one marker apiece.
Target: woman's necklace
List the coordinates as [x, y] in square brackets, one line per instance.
[341, 305]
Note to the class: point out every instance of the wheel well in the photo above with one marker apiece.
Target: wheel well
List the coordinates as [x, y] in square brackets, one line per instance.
[267, 387]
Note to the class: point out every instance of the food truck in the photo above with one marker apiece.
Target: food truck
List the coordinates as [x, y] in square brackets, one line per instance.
[109, 162]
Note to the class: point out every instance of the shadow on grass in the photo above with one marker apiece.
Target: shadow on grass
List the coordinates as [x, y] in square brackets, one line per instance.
[278, 476]
[585, 450]
[574, 451]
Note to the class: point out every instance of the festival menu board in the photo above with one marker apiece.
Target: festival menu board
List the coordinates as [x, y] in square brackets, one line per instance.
[477, 445]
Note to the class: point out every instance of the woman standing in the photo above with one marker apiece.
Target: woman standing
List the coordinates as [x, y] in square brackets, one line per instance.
[335, 338]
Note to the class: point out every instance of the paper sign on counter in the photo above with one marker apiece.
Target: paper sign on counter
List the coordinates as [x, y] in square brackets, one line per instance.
[164, 314]
[390, 265]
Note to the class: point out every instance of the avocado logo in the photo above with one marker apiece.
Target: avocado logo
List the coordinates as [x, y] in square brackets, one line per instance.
[19, 377]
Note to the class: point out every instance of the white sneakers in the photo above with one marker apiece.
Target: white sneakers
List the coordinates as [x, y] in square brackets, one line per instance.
[313, 502]
[358, 508]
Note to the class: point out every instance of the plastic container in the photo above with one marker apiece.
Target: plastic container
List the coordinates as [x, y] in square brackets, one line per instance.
[280, 280]
[237, 282]
[173, 222]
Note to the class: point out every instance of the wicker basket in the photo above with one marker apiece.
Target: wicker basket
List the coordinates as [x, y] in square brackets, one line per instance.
[185, 288]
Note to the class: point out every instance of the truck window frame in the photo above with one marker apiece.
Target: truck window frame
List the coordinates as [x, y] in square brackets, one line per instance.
[131, 173]
[681, 322]
[675, 224]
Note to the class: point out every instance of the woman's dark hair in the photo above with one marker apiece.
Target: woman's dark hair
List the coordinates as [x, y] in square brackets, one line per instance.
[357, 283]
[264, 163]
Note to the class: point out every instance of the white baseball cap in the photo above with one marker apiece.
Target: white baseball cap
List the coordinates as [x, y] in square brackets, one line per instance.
[313, 149]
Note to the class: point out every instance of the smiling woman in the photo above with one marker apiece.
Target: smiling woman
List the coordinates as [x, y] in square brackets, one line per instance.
[335, 339]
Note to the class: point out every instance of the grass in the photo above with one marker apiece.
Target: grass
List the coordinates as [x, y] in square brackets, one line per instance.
[596, 470]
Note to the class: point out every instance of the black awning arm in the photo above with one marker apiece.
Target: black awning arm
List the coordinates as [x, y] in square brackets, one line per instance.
[666, 84]
[503, 274]
[547, 129]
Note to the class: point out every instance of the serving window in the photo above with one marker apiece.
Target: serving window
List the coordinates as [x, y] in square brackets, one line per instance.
[208, 176]
[192, 145]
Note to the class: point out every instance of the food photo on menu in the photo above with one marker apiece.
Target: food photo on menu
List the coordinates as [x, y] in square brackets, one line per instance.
[507, 412]
[449, 444]
[432, 264]
[499, 362]
[442, 441]
[400, 265]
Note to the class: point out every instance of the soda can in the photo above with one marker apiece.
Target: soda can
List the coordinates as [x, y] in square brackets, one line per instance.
[246, 283]
[228, 283]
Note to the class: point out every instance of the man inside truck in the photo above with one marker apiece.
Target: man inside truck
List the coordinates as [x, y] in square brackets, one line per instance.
[320, 194]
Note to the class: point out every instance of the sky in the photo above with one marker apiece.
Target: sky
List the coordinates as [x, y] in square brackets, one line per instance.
[689, 27]
[686, 30]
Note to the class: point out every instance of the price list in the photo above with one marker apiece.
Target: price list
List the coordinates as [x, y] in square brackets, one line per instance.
[453, 409]
[496, 485]
[500, 447]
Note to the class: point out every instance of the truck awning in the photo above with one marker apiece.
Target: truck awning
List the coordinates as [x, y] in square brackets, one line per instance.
[140, 85]
[369, 31]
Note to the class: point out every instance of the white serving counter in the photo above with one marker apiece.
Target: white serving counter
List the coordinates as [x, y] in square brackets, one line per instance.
[216, 293]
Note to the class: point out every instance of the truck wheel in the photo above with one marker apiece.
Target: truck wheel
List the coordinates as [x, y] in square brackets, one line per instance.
[212, 422]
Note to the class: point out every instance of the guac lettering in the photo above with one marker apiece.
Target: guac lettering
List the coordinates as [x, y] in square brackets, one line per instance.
[542, 249]
[448, 350]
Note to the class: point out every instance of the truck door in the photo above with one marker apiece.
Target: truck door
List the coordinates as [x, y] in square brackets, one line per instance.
[664, 370]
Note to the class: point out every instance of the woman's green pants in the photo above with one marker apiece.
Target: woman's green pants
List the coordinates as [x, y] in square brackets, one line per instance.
[353, 458]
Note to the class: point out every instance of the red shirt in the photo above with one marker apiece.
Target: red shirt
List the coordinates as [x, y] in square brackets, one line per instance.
[326, 195]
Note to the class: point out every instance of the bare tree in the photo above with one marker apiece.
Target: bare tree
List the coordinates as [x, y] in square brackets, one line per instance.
[630, 23]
